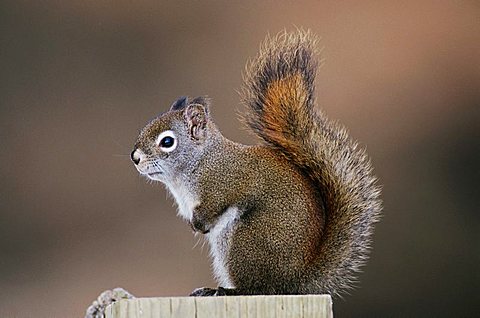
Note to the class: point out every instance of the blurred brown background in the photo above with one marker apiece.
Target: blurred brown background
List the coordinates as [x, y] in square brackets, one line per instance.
[80, 78]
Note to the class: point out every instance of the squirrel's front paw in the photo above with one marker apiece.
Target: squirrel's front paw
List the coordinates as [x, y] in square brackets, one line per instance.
[97, 308]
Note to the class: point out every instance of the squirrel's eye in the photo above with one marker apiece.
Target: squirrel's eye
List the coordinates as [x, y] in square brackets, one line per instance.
[167, 141]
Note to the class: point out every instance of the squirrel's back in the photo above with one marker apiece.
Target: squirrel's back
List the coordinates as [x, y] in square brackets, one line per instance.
[279, 94]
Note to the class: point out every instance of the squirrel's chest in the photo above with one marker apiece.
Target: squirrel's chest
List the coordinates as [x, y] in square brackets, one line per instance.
[220, 239]
[186, 201]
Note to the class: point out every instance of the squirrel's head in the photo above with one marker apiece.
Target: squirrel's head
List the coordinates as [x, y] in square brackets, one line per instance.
[172, 143]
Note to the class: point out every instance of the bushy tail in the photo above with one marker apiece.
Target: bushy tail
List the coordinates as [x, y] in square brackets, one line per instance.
[279, 94]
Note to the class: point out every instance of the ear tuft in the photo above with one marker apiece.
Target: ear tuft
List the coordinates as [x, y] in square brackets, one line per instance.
[179, 103]
[201, 100]
[196, 116]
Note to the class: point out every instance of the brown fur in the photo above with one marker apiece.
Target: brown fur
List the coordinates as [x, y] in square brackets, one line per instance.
[278, 92]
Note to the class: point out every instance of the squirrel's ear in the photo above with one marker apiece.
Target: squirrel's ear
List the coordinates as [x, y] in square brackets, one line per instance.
[202, 100]
[179, 103]
[196, 116]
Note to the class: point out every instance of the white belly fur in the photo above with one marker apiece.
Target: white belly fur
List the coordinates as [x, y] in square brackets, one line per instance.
[220, 237]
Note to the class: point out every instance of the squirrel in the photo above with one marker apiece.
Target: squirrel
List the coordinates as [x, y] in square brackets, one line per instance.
[293, 215]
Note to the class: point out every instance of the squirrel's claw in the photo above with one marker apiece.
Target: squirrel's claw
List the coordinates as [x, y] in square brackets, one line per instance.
[97, 308]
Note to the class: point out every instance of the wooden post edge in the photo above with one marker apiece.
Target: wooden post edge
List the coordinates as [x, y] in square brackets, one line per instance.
[281, 306]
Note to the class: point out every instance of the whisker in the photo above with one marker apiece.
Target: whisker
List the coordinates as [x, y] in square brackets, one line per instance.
[203, 245]
[198, 240]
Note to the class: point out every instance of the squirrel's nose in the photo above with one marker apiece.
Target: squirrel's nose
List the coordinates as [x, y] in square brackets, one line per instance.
[135, 156]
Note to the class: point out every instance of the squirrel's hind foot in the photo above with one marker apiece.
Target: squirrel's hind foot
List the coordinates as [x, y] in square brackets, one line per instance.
[205, 292]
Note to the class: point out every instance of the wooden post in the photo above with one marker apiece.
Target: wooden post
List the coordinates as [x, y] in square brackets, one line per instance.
[298, 306]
